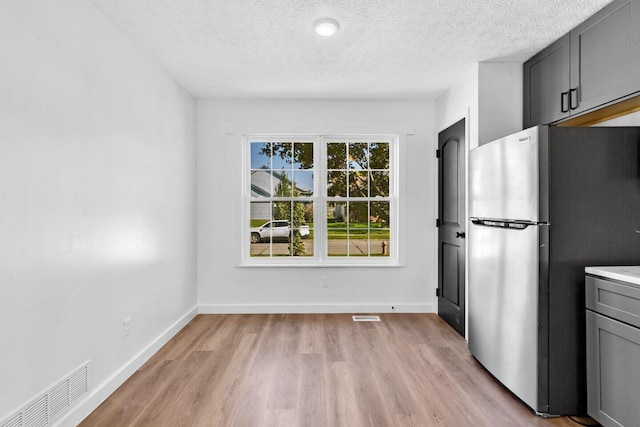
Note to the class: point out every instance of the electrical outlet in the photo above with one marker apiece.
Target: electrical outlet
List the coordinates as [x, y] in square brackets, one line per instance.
[126, 327]
[325, 282]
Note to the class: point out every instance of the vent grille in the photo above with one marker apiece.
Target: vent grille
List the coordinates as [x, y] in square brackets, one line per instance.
[59, 399]
[37, 415]
[44, 409]
[14, 422]
[366, 318]
[78, 384]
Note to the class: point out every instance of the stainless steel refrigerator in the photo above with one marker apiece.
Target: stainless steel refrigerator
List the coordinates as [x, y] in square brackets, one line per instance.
[543, 204]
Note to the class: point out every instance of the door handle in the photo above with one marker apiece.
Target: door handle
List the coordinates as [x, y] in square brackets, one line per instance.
[564, 98]
[573, 92]
[460, 235]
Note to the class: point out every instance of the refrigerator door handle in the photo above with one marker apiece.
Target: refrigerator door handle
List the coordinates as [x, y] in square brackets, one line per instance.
[501, 223]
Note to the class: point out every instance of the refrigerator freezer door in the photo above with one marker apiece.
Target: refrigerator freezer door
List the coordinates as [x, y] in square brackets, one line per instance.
[503, 306]
[504, 177]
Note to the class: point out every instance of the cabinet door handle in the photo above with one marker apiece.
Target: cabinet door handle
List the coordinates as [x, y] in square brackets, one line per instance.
[564, 100]
[573, 95]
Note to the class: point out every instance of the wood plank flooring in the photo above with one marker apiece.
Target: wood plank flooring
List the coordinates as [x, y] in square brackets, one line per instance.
[314, 370]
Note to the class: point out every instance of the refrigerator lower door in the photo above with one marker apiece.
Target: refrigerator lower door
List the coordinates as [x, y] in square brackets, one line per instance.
[504, 306]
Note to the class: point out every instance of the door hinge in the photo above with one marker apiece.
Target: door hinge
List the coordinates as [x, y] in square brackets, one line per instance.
[438, 222]
[437, 154]
[437, 292]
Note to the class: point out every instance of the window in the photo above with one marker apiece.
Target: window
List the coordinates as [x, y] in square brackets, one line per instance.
[320, 200]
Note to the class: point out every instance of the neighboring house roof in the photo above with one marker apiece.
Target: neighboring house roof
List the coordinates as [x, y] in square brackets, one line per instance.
[264, 189]
[259, 191]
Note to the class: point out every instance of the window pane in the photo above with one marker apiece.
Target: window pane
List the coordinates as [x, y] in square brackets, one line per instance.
[358, 229]
[260, 213]
[303, 155]
[379, 183]
[261, 183]
[303, 183]
[260, 155]
[379, 231]
[358, 242]
[379, 155]
[281, 211]
[336, 214]
[337, 184]
[282, 155]
[358, 215]
[380, 217]
[260, 233]
[262, 249]
[336, 229]
[302, 220]
[282, 183]
[337, 243]
[336, 155]
[358, 155]
[358, 184]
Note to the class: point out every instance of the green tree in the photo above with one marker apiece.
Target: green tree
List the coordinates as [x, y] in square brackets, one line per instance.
[363, 170]
[294, 212]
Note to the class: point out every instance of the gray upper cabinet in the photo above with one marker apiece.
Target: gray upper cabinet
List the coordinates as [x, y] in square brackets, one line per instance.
[596, 63]
[605, 56]
[546, 83]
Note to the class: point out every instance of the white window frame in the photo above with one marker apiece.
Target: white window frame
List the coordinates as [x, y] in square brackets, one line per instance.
[320, 256]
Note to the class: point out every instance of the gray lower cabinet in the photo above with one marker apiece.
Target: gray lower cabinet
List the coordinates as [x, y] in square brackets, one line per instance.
[613, 352]
[594, 64]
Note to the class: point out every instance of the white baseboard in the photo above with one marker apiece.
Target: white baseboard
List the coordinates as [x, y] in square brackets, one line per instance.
[313, 308]
[101, 392]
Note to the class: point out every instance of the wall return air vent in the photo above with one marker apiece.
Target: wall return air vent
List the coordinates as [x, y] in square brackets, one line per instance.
[366, 318]
[46, 408]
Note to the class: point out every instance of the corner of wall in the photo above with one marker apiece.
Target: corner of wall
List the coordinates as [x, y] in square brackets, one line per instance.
[102, 391]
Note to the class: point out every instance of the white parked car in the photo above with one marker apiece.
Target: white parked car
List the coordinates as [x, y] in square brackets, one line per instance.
[276, 230]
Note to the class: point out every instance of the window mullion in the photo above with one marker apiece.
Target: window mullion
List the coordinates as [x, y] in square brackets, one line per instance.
[320, 222]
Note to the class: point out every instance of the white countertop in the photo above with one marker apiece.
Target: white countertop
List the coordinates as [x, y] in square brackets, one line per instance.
[630, 274]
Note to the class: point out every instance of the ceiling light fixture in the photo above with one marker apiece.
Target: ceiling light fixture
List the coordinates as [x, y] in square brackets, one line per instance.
[326, 27]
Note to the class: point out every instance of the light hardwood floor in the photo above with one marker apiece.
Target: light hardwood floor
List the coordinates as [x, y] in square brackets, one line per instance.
[314, 370]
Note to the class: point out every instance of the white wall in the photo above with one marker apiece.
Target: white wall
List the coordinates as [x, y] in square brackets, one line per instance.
[458, 102]
[489, 96]
[500, 100]
[225, 287]
[97, 199]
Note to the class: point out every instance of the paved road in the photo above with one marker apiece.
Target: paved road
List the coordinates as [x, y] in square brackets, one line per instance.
[336, 247]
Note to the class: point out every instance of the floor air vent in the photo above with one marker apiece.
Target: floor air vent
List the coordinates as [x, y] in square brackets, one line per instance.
[47, 408]
[366, 318]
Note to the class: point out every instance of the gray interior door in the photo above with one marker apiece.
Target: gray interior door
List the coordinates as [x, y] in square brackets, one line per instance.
[451, 225]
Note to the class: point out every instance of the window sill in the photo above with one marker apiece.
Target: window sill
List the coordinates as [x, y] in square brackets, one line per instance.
[271, 264]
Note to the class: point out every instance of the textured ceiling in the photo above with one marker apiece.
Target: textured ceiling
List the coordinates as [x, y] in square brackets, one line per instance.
[384, 49]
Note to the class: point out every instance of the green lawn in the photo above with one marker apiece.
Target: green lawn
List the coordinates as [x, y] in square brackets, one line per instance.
[339, 230]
